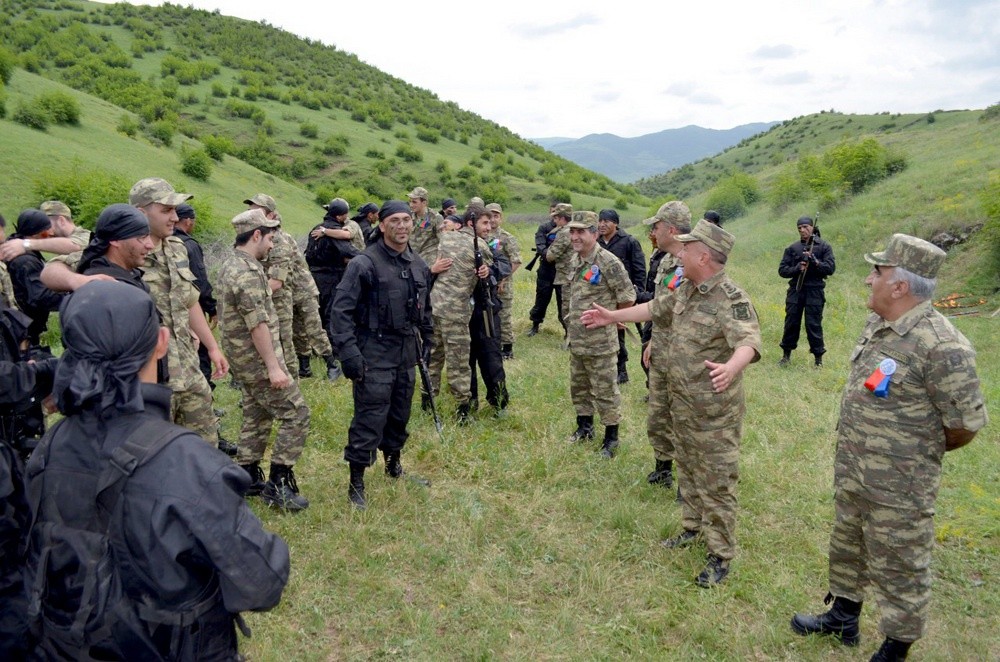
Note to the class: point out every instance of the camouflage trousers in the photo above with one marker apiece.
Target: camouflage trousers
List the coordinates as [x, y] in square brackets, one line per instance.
[593, 385]
[307, 327]
[890, 550]
[262, 406]
[451, 350]
[283, 305]
[707, 428]
[192, 408]
[507, 313]
[660, 422]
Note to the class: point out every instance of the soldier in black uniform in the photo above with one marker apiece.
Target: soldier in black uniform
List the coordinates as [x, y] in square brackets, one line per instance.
[367, 218]
[627, 249]
[379, 319]
[546, 275]
[196, 257]
[33, 298]
[813, 256]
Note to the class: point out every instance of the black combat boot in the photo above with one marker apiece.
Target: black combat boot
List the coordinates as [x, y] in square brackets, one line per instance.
[819, 360]
[714, 573]
[786, 359]
[841, 621]
[584, 429]
[663, 474]
[305, 370]
[533, 331]
[507, 351]
[394, 469]
[622, 376]
[356, 488]
[256, 478]
[281, 491]
[892, 650]
[463, 414]
[610, 441]
[682, 539]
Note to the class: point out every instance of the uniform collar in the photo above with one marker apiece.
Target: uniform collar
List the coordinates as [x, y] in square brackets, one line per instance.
[711, 283]
[905, 322]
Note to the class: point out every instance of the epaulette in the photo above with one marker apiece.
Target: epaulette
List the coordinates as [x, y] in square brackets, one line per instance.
[731, 290]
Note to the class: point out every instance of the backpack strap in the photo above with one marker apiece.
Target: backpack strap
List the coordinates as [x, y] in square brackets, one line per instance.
[143, 443]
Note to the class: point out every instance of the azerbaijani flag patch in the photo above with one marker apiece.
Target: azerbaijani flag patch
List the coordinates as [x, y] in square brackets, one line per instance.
[878, 381]
[592, 275]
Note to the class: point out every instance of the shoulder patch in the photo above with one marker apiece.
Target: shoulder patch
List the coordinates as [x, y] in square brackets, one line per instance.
[731, 290]
[741, 311]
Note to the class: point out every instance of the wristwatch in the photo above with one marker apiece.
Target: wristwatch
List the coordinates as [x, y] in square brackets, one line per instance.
[26, 243]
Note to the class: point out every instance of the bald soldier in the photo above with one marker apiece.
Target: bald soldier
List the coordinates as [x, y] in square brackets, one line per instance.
[714, 335]
[912, 395]
[598, 277]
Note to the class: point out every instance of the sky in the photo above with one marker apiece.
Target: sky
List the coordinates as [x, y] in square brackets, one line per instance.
[558, 68]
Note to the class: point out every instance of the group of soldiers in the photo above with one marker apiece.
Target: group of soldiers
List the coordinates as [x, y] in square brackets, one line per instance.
[399, 286]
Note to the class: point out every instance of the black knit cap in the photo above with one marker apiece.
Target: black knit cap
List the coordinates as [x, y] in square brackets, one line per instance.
[608, 215]
[185, 211]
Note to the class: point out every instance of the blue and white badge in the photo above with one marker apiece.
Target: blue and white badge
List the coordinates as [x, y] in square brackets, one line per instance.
[888, 367]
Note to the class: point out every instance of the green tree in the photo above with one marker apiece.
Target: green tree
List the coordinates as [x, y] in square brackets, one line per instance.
[196, 163]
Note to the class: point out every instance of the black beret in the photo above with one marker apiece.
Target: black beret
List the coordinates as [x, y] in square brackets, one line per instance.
[32, 221]
[120, 221]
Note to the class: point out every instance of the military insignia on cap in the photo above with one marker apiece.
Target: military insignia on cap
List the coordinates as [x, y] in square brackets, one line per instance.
[741, 311]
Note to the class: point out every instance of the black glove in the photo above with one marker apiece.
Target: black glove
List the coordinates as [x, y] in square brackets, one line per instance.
[353, 367]
[428, 345]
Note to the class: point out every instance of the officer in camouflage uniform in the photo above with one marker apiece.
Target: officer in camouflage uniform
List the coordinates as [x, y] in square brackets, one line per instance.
[450, 304]
[598, 277]
[172, 286]
[250, 334]
[503, 241]
[912, 394]
[560, 254]
[672, 219]
[426, 226]
[713, 335]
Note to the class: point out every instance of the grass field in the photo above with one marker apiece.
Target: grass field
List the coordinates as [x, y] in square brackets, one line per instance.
[528, 548]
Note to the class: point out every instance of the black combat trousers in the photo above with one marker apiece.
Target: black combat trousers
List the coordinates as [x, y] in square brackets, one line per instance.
[382, 403]
[808, 301]
[484, 352]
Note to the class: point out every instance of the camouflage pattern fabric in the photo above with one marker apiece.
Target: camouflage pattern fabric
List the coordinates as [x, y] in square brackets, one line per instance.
[308, 333]
[560, 253]
[171, 284]
[244, 303]
[357, 235]
[599, 278]
[659, 423]
[80, 237]
[450, 306]
[6, 287]
[507, 245]
[280, 265]
[426, 234]
[706, 322]
[593, 385]
[888, 464]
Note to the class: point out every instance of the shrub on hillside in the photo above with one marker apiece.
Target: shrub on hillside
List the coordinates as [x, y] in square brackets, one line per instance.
[218, 146]
[127, 125]
[727, 199]
[31, 116]
[428, 135]
[161, 131]
[560, 195]
[335, 145]
[7, 63]
[991, 113]
[196, 163]
[409, 153]
[86, 192]
[62, 108]
[309, 130]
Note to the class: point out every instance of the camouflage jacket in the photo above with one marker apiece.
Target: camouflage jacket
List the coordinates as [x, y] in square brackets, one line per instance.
[172, 286]
[357, 234]
[426, 235]
[560, 253]
[889, 449]
[598, 278]
[505, 243]
[244, 303]
[453, 288]
[6, 287]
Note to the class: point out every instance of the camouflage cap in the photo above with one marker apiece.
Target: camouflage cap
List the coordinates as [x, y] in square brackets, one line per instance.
[263, 200]
[563, 209]
[153, 189]
[252, 219]
[584, 220]
[476, 200]
[418, 193]
[494, 207]
[711, 235]
[55, 208]
[673, 212]
[915, 255]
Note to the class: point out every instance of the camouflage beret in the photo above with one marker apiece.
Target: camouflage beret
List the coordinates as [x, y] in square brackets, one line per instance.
[915, 255]
[153, 189]
[711, 235]
[673, 212]
[418, 193]
[563, 209]
[55, 208]
[252, 219]
[262, 200]
[584, 220]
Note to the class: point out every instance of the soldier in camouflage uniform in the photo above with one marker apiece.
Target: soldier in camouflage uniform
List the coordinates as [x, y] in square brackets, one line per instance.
[172, 286]
[426, 226]
[912, 394]
[598, 277]
[449, 298]
[560, 254]
[503, 241]
[672, 219]
[66, 236]
[713, 335]
[250, 334]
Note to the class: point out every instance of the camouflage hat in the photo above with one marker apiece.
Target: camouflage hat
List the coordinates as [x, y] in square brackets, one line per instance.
[153, 189]
[584, 220]
[494, 207]
[563, 209]
[418, 193]
[55, 208]
[476, 200]
[252, 219]
[711, 235]
[673, 212]
[915, 255]
[262, 200]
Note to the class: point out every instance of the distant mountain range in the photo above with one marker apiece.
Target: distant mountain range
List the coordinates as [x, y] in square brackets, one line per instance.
[630, 159]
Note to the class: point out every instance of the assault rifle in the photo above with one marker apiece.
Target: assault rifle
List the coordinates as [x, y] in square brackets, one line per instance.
[531, 264]
[808, 249]
[425, 379]
[481, 295]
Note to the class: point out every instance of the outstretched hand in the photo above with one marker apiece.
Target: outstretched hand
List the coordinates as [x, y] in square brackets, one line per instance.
[596, 317]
